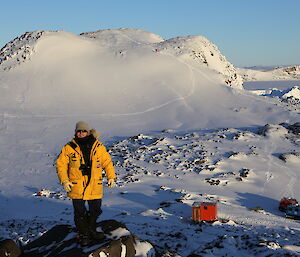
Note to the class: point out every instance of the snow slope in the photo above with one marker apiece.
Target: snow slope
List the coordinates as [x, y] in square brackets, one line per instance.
[125, 82]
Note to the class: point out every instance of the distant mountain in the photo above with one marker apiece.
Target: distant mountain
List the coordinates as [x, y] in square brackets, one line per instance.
[261, 67]
[292, 71]
[270, 73]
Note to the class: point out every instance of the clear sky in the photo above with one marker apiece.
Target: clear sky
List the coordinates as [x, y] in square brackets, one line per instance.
[247, 32]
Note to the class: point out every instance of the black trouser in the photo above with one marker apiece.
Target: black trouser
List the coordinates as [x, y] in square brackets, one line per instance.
[80, 209]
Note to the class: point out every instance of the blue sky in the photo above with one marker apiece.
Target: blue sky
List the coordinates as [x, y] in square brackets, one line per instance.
[247, 32]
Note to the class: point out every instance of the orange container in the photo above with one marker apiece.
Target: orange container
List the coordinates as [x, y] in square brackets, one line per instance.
[204, 211]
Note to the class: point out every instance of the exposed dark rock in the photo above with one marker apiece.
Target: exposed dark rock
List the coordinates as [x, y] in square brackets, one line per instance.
[287, 156]
[165, 204]
[244, 172]
[212, 181]
[61, 241]
[8, 247]
[271, 129]
[115, 247]
[294, 128]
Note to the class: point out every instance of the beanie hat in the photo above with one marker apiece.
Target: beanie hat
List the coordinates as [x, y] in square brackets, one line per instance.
[81, 125]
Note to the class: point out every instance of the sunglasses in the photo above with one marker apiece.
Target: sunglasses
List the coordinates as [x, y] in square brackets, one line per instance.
[81, 131]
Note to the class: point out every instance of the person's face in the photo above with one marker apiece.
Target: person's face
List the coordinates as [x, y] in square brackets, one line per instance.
[81, 133]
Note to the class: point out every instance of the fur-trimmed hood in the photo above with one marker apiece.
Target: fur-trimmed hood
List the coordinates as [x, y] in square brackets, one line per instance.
[96, 134]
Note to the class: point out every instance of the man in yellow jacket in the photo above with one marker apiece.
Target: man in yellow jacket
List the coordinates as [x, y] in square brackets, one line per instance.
[79, 168]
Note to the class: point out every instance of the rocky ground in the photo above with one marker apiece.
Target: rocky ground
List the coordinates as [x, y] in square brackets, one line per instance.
[161, 175]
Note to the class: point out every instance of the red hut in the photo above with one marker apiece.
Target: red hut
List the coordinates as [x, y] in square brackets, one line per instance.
[204, 211]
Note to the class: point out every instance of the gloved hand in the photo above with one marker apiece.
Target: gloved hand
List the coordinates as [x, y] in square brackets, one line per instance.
[67, 185]
[111, 182]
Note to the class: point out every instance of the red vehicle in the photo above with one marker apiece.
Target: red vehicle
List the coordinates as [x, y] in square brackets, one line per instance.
[284, 202]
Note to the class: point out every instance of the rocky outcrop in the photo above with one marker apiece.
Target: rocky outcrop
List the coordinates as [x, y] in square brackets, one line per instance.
[271, 130]
[293, 128]
[198, 51]
[292, 71]
[61, 241]
[8, 247]
[290, 157]
[19, 50]
[270, 73]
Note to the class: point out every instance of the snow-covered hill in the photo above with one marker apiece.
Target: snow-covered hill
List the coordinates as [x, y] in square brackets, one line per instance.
[189, 48]
[278, 73]
[130, 85]
[292, 71]
[113, 75]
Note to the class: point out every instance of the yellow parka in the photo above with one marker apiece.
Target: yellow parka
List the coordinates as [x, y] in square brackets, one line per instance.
[67, 167]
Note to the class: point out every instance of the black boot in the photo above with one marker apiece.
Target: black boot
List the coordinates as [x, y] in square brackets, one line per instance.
[92, 221]
[83, 230]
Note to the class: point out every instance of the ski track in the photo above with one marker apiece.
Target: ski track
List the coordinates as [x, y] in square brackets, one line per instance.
[289, 189]
[268, 174]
